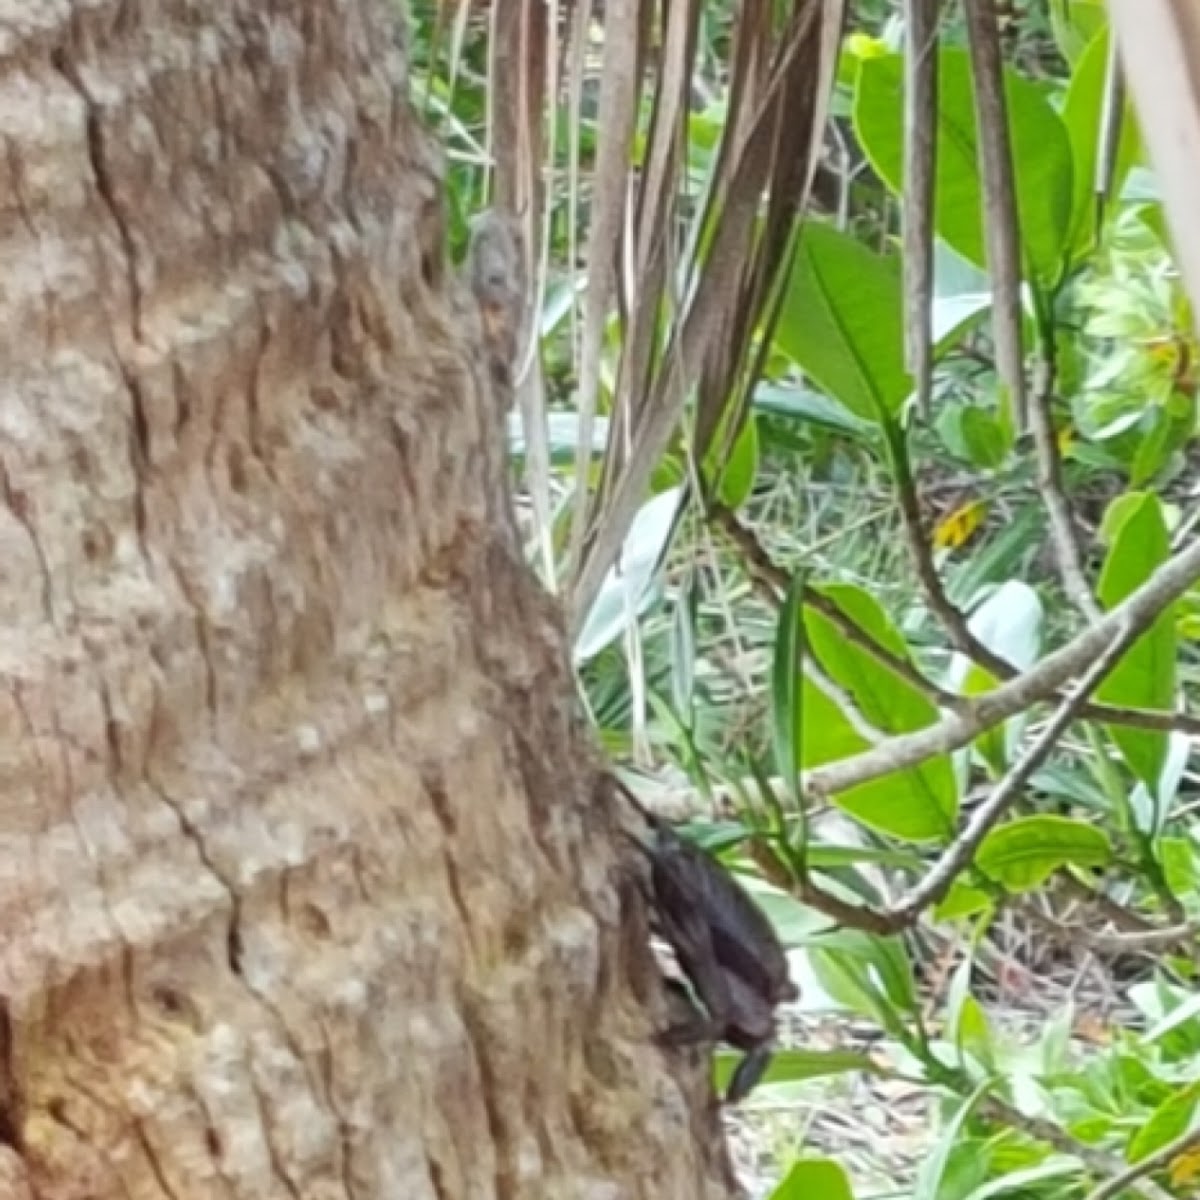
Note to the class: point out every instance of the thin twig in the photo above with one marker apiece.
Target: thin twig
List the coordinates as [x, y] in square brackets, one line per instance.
[772, 582]
[1105, 942]
[766, 571]
[1000, 218]
[958, 855]
[1116, 914]
[951, 864]
[917, 202]
[948, 615]
[1064, 535]
[1040, 682]
[1046, 1131]
[1135, 1174]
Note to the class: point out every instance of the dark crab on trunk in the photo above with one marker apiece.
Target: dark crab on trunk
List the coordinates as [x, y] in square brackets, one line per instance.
[725, 946]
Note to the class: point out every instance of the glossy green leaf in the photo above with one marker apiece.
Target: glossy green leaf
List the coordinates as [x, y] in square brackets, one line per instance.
[740, 470]
[1023, 854]
[814, 1179]
[787, 689]
[1145, 676]
[796, 1065]
[1041, 157]
[841, 322]
[932, 1170]
[1082, 116]
[961, 901]
[905, 804]
[884, 960]
[889, 703]
[1171, 1119]
[966, 1022]
[920, 802]
[1075, 24]
[683, 650]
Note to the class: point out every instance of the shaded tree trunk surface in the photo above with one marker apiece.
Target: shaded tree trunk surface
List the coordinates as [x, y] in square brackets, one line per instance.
[303, 892]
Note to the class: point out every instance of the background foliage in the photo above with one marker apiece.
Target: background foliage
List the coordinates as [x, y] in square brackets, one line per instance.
[722, 470]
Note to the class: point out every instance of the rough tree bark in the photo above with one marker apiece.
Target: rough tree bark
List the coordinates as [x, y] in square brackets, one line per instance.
[302, 893]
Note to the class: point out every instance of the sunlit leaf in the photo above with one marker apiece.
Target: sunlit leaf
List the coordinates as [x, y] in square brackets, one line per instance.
[1082, 116]
[1145, 677]
[932, 1170]
[814, 1179]
[961, 901]
[1171, 1119]
[907, 804]
[1024, 1183]
[841, 322]
[919, 802]
[1041, 156]
[796, 1065]
[787, 689]
[1024, 853]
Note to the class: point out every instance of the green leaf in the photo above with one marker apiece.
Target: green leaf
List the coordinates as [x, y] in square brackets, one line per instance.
[889, 703]
[905, 804]
[966, 1021]
[787, 689]
[961, 901]
[986, 439]
[737, 478]
[795, 1066]
[1075, 24]
[882, 960]
[1041, 157]
[841, 322]
[1145, 676]
[1081, 115]
[683, 650]
[1023, 854]
[933, 1167]
[1171, 1119]
[1024, 1182]
[919, 802]
[814, 1179]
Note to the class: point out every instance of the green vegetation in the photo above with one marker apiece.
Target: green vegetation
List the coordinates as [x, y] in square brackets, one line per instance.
[814, 568]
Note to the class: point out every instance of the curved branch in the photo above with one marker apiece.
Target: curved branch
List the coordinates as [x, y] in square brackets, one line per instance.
[1040, 682]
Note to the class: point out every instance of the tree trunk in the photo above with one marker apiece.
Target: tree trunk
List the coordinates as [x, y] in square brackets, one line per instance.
[303, 892]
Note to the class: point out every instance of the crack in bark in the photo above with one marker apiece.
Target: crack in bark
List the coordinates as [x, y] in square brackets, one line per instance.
[18, 504]
[329, 1084]
[101, 175]
[156, 1167]
[200, 620]
[267, 1124]
[12, 1103]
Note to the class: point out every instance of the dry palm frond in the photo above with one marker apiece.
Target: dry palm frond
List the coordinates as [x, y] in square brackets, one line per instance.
[1000, 199]
[921, 19]
[702, 272]
[691, 274]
